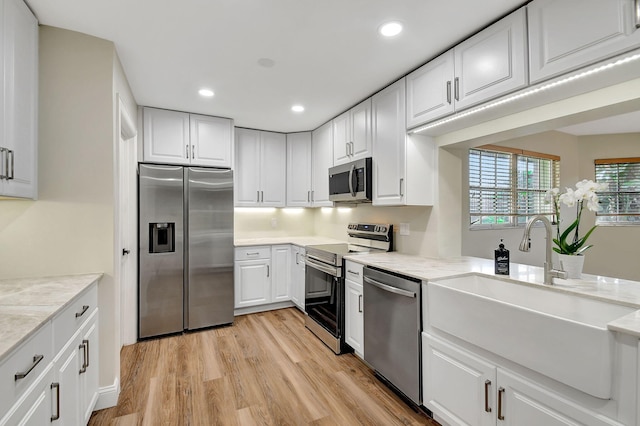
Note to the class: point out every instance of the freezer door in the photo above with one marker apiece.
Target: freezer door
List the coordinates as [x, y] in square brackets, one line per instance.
[210, 248]
[161, 250]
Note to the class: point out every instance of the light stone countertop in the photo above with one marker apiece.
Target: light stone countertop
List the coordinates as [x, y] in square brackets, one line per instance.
[26, 304]
[619, 291]
[301, 241]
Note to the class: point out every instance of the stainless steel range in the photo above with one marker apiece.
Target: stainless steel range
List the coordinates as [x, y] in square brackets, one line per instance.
[324, 283]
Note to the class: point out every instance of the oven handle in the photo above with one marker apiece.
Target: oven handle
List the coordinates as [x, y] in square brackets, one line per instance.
[321, 266]
[389, 288]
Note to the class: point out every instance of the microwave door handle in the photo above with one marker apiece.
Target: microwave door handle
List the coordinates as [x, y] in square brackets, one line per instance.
[351, 175]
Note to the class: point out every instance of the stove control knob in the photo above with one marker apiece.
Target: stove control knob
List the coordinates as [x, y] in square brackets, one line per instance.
[383, 229]
[377, 228]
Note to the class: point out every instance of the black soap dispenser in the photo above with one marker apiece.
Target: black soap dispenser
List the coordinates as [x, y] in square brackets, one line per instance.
[501, 260]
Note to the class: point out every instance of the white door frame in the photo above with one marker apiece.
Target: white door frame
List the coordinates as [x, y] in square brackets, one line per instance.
[126, 227]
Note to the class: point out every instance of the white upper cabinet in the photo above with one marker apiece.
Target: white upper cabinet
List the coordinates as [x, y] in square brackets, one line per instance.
[322, 155]
[567, 34]
[299, 169]
[210, 141]
[352, 134]
[180, 138]
[403, 165]
[260, 172]
[489, 64]
[19, 102]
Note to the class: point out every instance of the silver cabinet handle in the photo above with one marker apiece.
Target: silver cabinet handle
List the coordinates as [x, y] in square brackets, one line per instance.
[402, 187]
[257, 196]
[297, 258]
[456, 88]
[255, 253]
[308, 196]
[83, 347]
[56, 386]
[267, 270]
[193, 151]
[346, 149]
[187, 151]
[500, 393]
[262, 196]
[359, 303]
[353, 272]
[487, 383]
[449, 92]
[81, 313]
[3, 174]
[23, 374]
[389, 288]
[313, 198]
[88, 351]
[10, 153]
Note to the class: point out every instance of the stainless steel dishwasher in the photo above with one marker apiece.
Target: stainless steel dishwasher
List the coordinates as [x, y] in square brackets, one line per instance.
[392, 330]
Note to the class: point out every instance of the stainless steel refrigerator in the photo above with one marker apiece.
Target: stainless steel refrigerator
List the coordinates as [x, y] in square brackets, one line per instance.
[185, 220]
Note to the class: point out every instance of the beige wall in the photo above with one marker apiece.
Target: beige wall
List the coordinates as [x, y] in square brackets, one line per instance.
[70, 228]
[257, 222]
[615, 248]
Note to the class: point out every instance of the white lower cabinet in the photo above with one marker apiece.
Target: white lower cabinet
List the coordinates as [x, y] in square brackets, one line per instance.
[462, 388]
[354, 315]
[297, 276]
[281, 276]
[35, 408]
[252, 282]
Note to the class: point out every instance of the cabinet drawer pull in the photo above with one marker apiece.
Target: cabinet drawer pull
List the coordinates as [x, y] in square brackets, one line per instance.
[193, 151]
[353, 272]
[56, 386]
[10, 176]
[359, 303]
[456, 88]
[85, 361]
[255, 253]
[23, 374]
[449, 92]
[487, 383]
[500, 393]
[187, 151]
[85, 308]
[267, 270]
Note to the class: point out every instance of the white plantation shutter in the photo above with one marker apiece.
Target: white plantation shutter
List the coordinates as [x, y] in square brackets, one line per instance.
[506, 187]
[620, 202]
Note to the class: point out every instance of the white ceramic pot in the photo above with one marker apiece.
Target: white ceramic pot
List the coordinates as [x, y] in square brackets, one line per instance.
[571, 264]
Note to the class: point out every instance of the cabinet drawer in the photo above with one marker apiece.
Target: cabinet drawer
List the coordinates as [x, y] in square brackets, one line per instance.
[353, 271]
[25, 360]
[34, 408]
[73, 316]
[255, 252]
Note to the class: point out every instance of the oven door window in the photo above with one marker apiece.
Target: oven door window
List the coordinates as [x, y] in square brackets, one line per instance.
[323, 298]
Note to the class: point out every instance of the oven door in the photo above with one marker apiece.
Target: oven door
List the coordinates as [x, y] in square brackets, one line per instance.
[324, 295]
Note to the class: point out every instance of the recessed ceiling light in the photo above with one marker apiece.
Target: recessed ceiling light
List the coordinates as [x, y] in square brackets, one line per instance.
[297, 108]
[390, 29]
[207, 93]
[266, 62]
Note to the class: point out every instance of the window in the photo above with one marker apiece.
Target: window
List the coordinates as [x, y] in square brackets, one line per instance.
[506, 185]
[620, 203]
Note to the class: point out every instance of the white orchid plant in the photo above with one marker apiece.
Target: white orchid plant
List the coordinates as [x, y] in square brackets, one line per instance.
[585, 193]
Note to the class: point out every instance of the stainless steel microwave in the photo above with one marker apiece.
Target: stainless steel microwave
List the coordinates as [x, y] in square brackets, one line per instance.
[351, 182]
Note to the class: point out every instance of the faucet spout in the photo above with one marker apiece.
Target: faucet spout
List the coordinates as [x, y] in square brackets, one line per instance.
[525, 244]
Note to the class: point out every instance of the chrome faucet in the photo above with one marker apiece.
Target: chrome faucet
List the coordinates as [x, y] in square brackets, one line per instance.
[549, 272]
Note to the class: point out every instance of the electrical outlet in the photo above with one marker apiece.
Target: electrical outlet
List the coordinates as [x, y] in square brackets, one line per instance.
[274, 222]
[404, 229]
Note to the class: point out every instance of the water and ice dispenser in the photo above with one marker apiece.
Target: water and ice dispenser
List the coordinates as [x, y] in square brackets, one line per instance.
[162, 237]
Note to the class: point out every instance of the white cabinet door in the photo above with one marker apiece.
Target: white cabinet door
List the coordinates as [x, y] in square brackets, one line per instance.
[67, 375]
[361, 130]
[341, 138]
[354, 317]
[322, 155]
[457, 386]
[299, 169]
[89, 367]
[524, 403]
[37, 408]
[430, 90]
[565, 35]
[19, 51]
[247, 168]
[211, 141]
[273, 169]
[166, 136]
[297, 276]
[281, 274]
[252, 282]
[492, 62]
[389, 132]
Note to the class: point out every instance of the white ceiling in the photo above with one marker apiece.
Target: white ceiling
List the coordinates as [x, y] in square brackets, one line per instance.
[328, 55]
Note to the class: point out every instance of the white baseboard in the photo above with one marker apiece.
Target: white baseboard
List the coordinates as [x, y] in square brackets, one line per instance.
[108, 396]
[262, 308]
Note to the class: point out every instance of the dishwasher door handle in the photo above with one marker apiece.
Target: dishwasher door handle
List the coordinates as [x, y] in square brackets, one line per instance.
[390, 289]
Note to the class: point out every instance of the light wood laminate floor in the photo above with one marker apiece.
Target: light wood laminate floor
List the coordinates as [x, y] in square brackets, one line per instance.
[266, 369]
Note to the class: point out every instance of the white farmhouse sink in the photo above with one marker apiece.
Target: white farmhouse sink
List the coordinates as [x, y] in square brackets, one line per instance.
[562, 336]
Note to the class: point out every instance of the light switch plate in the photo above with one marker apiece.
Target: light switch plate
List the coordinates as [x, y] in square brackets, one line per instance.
[404, 229]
